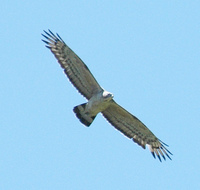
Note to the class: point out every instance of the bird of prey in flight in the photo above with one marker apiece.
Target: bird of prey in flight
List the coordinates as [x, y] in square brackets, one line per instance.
[100, 100]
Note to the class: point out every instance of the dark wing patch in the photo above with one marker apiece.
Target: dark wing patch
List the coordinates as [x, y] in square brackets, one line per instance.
[77, 72]
[134, 129]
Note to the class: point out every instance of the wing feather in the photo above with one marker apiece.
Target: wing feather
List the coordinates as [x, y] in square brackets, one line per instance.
[134, 129]
[77, 72]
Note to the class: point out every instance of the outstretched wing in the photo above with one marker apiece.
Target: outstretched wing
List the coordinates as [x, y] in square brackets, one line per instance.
[134, 129]
[77, 72]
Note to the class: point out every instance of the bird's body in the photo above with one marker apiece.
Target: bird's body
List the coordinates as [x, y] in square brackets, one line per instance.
[100, 100]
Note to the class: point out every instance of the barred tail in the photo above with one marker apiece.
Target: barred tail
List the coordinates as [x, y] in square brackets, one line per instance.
[84, 118]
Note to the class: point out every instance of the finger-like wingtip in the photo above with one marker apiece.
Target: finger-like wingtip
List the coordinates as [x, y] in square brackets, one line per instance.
[46, 32]
[153, 154]
[163, 143]
[60, 38]
[159, 158]
[45, 36]
[45, 41]
[52, 34]
[160, 151]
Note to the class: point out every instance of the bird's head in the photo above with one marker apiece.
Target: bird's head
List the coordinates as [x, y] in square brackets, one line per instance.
[107, 96]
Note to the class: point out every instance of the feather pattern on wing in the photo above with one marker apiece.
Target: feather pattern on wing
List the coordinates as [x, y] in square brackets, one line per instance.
[134, 129]
[77, 72]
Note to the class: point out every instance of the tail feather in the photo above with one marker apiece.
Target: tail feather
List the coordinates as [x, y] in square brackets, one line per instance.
[84, 117]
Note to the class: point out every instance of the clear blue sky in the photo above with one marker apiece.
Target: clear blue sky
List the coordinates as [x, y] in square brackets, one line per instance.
[145, 52]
